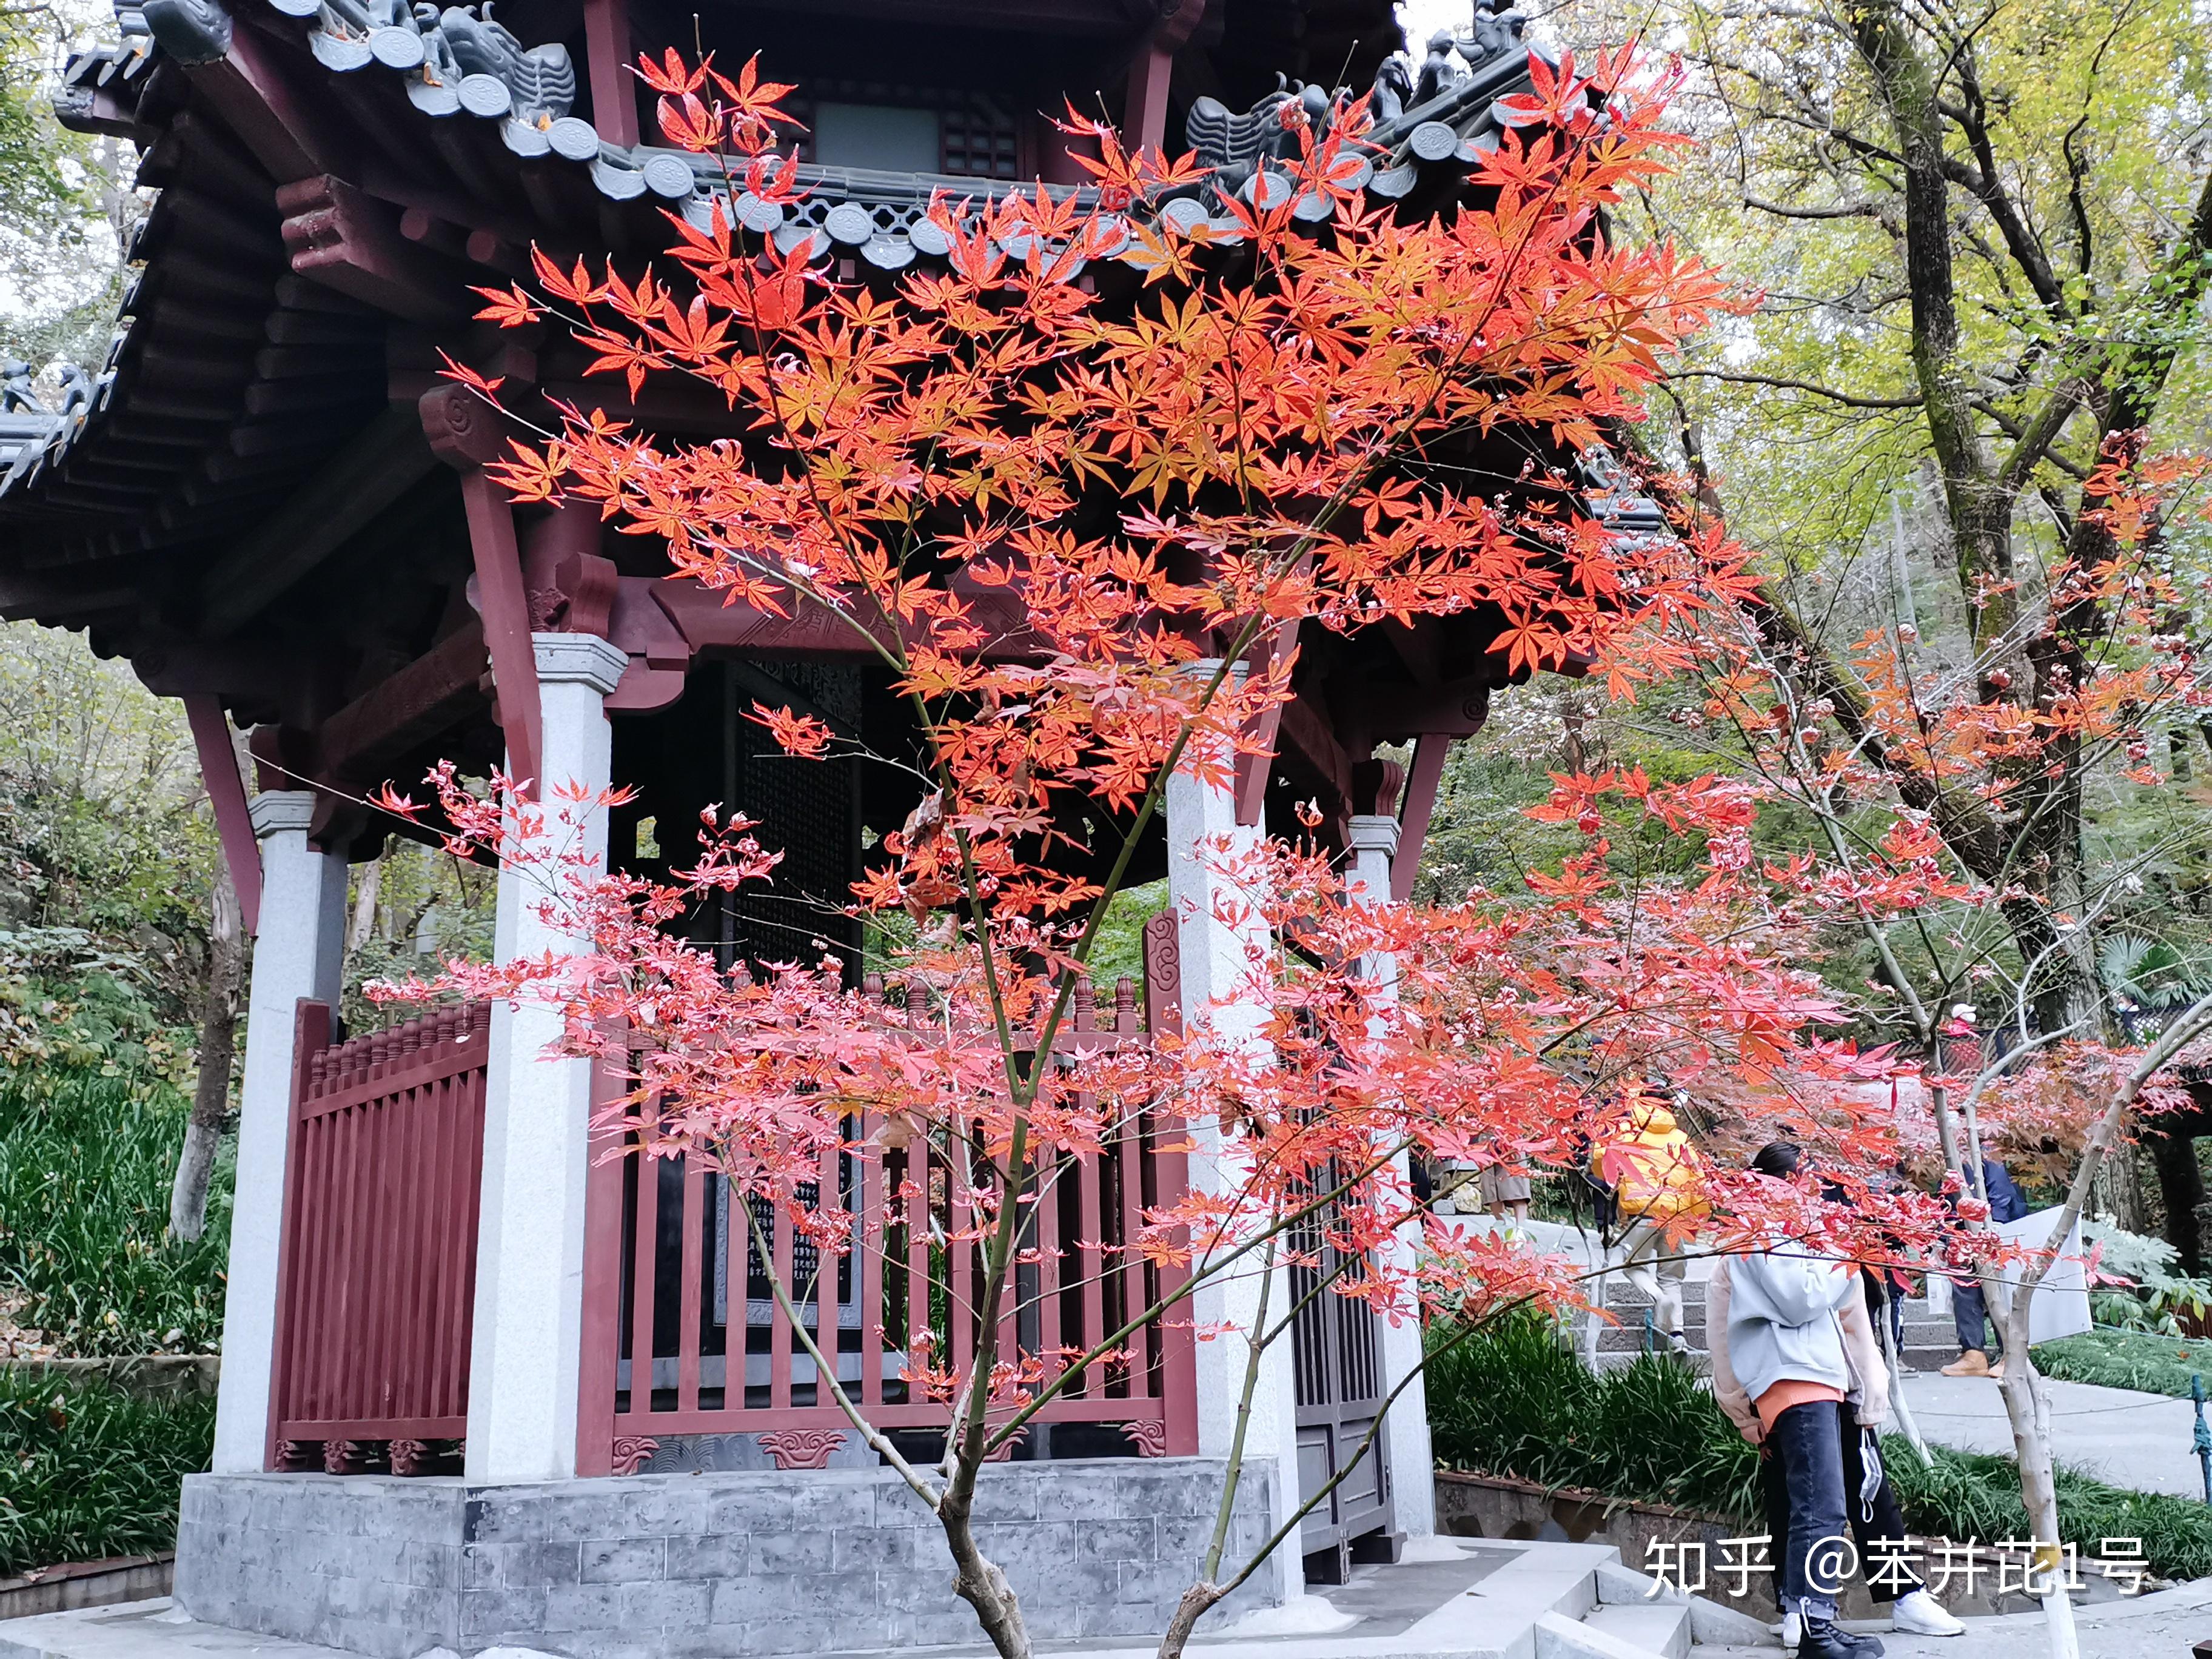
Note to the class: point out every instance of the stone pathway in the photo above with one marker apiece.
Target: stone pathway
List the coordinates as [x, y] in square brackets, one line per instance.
[2164, 1625]
[2143, 1441]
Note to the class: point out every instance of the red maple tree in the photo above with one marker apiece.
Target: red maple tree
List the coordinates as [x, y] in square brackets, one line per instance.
[1264, 436]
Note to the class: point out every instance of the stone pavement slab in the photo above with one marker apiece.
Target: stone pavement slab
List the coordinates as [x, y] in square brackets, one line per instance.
[1450, 1599]
[155, 1628]
[2141, 1441]
[2164, 1625]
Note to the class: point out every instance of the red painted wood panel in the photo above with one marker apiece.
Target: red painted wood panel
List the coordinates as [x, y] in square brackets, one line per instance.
[376, 1283]
[1080, 1278]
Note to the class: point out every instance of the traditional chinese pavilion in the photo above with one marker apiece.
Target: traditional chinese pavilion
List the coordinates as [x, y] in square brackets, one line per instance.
[479, 1388]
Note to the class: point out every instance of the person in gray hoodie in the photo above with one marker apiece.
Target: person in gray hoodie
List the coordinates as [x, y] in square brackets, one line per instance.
[1786, 1346]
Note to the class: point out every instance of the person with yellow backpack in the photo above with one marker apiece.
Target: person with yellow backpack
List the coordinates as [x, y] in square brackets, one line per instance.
[1658, 1199]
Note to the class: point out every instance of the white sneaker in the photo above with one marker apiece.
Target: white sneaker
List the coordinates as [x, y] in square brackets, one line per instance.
[1922, 1614]
[1793, 1627]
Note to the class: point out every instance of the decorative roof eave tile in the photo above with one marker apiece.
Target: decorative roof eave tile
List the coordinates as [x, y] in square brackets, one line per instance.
[459, 67]
[883, 217]
[100, 87]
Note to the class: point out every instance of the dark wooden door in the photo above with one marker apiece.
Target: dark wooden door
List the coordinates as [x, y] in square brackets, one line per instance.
[1339, 1350]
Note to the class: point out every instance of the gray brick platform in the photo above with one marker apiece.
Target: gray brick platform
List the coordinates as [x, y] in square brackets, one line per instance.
[673, 1566]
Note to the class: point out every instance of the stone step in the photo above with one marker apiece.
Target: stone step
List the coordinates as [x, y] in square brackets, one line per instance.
[1658, 1628]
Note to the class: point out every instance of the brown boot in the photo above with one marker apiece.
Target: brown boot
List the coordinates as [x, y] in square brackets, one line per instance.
[1996, 1371]
[1972, 1362]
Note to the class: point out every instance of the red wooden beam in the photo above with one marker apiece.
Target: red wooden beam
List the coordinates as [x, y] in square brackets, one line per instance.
[226, 787]
[466, 431]
[409, 707]
[340, 236]
[1429, 751]
[506, 610]
[1254, 770]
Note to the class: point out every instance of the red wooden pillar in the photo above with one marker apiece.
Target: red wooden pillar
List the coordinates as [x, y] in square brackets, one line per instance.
[1144, 119]
[463, 431]
[607, 53]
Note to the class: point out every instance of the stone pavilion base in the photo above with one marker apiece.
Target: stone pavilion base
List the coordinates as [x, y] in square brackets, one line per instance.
[701, 1566]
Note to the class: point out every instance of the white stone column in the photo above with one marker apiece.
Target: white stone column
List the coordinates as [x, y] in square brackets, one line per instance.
[296, 954]
[1215, 959]
[1405, 1430]
[527, 1337]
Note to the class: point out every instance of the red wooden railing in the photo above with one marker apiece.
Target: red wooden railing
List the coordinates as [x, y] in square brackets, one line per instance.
[682, 1336]
[377, 1279]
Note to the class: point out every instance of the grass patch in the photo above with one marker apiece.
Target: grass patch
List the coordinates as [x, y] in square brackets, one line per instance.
[86, 1163]
[1516, 1401]
[2128, 1359]
[87, 1472]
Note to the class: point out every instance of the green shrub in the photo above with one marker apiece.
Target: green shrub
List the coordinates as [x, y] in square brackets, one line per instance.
[2128, 1359]
[86, 1163]
[87, 1472]
[1516, 1401]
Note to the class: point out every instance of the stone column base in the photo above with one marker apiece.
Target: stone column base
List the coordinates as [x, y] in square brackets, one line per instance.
[742, 1564]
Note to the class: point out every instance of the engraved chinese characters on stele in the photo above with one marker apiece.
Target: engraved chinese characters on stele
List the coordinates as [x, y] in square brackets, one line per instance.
[2016, 1567]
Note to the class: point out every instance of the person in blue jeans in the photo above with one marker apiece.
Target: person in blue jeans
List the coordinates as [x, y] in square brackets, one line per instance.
[1786, 1346]
[1969, 1307]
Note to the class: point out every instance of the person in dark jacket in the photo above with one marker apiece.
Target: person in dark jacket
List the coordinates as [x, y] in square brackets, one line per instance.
[1969, 1307]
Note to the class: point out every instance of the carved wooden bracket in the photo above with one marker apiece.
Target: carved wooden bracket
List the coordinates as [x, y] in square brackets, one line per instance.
[233, 819]
[1376, 785]
[1163, 952]
[350, 241]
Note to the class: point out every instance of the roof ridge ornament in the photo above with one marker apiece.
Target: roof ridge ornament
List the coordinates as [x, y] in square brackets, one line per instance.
[17, 394]
[1236, 146]
[190, 31]
[460, 58]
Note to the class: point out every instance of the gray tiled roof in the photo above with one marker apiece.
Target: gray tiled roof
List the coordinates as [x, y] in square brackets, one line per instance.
[478, 74]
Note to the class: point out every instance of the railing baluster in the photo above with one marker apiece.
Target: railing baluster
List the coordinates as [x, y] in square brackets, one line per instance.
[644, 1277]
[780, 1339]
[868, 1260]
[737, 1308]
[829, 1325]
[692, 1226]
[920, 1296]
[1090, 1262]
[1049, 1176]
[1125, 1150]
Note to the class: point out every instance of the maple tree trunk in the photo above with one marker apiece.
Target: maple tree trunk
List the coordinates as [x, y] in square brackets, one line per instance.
[218, 1053]
[366, 887]
[979, 1582]
[1206, 1589]
[1196, 1602]
[976, 1579]
[2027, 1406]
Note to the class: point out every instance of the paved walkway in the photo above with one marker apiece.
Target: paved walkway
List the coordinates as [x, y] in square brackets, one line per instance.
[2143, 1441]
[2160, 1626]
